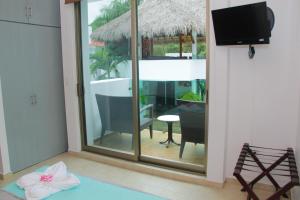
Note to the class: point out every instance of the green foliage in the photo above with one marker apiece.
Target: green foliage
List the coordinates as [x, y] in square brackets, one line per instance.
[201, 50]
[115, 9]
[202, 87]
[143, 98]
[104, 59]
[115, 52]
[119, 48]
[162, 49]
[190, 96]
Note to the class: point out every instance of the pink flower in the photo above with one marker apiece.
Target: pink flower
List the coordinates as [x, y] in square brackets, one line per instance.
[46, 178]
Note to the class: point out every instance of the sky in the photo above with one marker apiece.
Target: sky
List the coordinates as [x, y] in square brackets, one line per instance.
[94, 8]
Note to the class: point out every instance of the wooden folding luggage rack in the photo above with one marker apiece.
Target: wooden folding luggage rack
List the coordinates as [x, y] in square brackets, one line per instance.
[267, 160]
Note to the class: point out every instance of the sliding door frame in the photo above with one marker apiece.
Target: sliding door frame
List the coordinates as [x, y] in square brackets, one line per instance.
[135, 79]
[80, 91]
[136, 156]
[173, 164]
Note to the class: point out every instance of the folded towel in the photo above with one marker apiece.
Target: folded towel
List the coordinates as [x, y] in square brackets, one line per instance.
[39, 185]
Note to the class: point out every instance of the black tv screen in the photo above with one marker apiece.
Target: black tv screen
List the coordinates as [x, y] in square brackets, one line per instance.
[247, 24]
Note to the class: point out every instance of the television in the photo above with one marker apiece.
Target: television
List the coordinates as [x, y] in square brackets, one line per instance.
[243, 25]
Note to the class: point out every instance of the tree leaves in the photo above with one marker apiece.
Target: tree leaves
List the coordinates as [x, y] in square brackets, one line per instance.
[107, 61]
[115, 9]
[109, 57]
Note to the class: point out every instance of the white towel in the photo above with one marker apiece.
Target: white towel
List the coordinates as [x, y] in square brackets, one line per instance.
[39, 185]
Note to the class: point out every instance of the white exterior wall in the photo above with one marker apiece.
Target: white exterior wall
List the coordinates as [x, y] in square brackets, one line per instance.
[182, 70]
[159, 70]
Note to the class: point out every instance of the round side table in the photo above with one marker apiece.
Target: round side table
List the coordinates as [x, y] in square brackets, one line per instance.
[169, 119]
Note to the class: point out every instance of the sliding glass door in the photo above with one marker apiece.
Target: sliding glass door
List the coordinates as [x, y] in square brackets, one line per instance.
[144, 80]
[107, 76]
[172, 81]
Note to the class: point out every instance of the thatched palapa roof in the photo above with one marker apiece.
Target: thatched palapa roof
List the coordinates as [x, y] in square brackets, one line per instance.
[158, 17]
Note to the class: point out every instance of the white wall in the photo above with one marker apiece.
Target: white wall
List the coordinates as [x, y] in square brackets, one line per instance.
[296, 63]
[255, 100]
[182, 70]
[1, 164]
[218, 81]
[70, 75]
[252, 101]
[152, 70]
[263, 92]
[296, 191]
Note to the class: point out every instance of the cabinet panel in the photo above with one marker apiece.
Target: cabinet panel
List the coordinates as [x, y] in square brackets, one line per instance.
[45, 12]
[13, 10]
[31, 65]
[15, 71]
[49, 110]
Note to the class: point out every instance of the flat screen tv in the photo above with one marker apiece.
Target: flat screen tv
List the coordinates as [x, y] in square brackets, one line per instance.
[241, 25]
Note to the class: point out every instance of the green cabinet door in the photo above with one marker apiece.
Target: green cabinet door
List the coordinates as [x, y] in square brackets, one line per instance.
[49, 110]
[32, 87]
[16, 80]
[40, 12]
[45, 12]
[13, 10]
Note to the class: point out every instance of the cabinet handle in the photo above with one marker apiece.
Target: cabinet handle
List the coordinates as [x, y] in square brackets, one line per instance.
[35, 99]
[30, 11]
[26, 11]
[31, 100]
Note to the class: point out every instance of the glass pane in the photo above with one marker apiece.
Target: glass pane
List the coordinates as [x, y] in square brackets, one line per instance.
[107, 73]
[172, 80]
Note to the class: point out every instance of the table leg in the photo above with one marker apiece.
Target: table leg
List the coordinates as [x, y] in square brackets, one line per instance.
[170, 131]
[170, 135]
